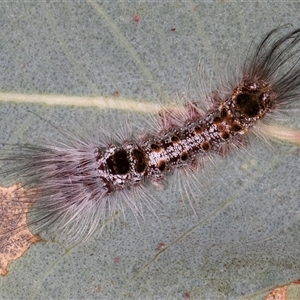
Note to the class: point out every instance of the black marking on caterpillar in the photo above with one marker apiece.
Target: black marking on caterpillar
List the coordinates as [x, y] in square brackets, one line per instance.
[77, 185]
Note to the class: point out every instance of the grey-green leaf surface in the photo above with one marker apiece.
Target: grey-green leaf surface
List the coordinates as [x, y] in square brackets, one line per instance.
[243, 236]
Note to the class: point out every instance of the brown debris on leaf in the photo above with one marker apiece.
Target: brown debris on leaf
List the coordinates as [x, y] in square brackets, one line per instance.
[15, 236]
[290, 291]
[277, 294]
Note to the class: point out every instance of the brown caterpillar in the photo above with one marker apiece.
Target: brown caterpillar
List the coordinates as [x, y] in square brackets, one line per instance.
[77, 185]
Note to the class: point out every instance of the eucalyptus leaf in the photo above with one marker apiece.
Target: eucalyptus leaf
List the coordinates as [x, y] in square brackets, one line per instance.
[243, 236]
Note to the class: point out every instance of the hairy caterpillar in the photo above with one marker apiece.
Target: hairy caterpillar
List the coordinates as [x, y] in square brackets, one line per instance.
[78, 183]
